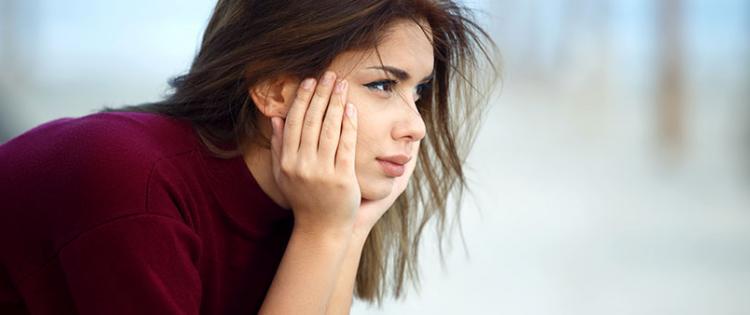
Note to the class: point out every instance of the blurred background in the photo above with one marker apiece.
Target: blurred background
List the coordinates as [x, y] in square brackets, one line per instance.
[612, 175]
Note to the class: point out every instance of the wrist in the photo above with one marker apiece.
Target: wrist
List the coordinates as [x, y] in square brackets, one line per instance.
[317, 231]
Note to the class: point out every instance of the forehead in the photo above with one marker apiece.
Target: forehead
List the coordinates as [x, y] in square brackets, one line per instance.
[404, 45]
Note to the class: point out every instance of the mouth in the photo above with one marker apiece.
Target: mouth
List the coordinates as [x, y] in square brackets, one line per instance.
[392, 169]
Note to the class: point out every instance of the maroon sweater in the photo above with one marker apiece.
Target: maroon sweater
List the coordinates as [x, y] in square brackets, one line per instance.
[126, 213]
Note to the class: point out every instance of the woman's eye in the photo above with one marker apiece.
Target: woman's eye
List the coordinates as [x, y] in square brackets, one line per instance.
[388, 86]
[382, 85]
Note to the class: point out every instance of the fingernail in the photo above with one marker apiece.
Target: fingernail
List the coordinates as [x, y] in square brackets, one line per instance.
[340, 86]
[328, 78]
[307, 84]
[350, 110]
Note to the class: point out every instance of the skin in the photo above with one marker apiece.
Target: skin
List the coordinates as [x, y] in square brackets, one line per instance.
[322, 163]
[390, 123]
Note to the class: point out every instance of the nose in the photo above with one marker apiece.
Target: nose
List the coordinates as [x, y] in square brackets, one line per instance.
[409, 124]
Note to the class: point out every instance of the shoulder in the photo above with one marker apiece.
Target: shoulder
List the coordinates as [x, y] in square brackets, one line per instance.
[90, 169]
[103, 132]
[99, 142]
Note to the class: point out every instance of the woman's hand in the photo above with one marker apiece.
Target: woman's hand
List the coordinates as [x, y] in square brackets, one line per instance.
[313, 157]
[370, 211]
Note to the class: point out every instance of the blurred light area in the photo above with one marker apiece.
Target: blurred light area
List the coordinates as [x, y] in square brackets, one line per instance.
[62, 58]
[611, 176]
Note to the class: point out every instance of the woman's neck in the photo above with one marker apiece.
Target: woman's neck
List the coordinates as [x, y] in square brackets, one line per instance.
[259, 164]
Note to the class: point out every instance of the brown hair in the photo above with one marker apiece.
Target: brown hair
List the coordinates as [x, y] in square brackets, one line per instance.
[247, 42]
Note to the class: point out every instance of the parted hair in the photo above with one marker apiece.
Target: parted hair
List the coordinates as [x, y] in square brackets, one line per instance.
[249, 41]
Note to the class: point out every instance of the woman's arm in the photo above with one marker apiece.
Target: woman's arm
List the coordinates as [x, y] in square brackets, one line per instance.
[308, 272]
[137, 264]
[341, 299]
[313, 164]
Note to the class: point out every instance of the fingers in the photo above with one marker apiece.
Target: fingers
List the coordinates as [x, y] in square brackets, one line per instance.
[296, 115]
[318, 126]
[313, 118]
[331, 129]
[348, 141]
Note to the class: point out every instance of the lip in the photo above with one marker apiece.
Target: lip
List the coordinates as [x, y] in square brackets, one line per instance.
[399, 159]
[393, 166]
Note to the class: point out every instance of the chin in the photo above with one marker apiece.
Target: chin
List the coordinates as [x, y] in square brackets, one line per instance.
[376, 188]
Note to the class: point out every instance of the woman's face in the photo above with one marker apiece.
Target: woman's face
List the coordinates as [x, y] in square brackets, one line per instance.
[385, 95]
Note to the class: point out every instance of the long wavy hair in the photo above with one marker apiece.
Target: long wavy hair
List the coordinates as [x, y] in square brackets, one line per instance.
[249, 41]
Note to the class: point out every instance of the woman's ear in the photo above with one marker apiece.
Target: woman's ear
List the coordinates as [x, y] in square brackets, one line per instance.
[274, 97]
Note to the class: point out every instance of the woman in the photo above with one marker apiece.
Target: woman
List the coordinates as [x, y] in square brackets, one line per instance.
[285, 173]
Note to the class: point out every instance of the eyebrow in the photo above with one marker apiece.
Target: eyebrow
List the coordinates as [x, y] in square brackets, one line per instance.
[400, 73]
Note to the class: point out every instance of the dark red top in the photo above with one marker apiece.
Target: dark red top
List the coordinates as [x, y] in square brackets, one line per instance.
[126, 213]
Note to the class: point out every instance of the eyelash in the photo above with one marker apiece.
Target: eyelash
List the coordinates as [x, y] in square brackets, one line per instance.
[388, 86]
